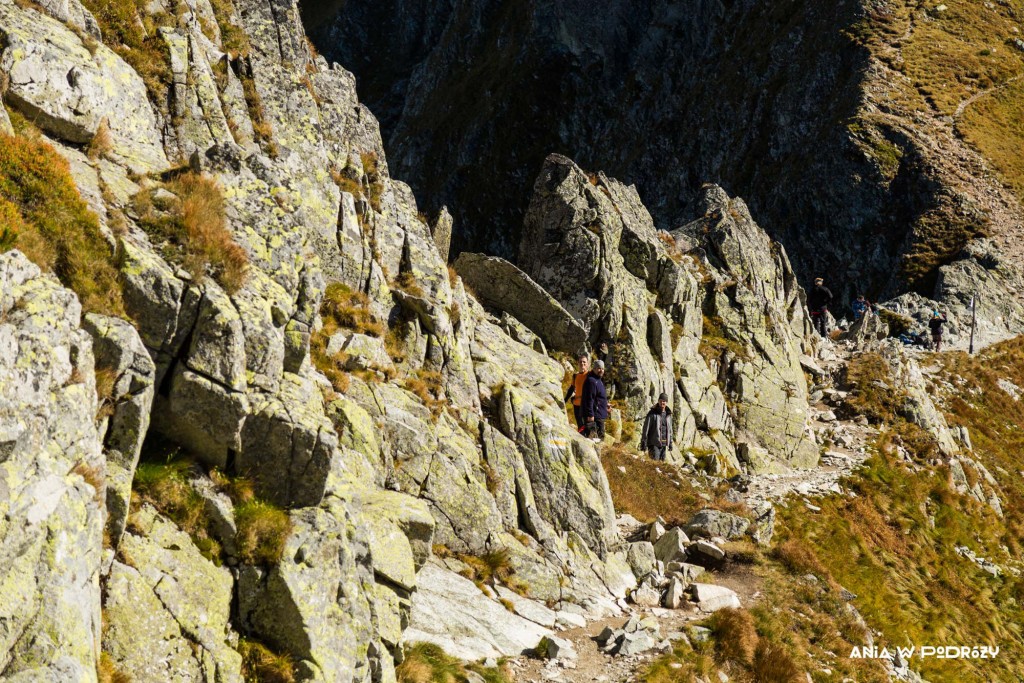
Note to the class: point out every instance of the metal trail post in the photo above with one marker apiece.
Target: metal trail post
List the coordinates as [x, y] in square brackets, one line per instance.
[974, 320]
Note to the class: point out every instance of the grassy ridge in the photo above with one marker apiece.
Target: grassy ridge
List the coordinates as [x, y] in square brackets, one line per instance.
[893, 544]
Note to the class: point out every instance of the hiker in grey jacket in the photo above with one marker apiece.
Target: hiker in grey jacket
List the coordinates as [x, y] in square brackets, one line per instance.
[656, 437]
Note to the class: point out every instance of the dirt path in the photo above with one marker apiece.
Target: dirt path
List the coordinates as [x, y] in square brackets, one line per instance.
[594, 666]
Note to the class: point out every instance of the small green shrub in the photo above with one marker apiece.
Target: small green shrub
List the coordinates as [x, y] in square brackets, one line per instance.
[262, 532]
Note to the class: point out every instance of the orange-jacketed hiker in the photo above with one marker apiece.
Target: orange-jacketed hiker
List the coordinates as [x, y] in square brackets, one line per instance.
[575, 391]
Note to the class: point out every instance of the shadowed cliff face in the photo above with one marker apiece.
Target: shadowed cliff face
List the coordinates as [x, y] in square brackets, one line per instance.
[754, 96]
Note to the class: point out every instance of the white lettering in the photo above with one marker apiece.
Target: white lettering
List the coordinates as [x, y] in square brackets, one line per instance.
[906, 652]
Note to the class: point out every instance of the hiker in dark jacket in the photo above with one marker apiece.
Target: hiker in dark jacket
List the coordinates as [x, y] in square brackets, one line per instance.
[656, 436]
[595, 403]
[860, 307]
[575, 391]
[935, 324]
[818, 300]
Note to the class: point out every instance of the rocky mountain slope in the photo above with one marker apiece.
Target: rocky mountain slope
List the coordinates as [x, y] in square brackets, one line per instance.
[254, 427]
[871, 138]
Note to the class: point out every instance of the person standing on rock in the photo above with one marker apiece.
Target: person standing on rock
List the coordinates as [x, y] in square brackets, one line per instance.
[595, 403]
[935, 324]
[656, 435]
[818, 300]
[860, 307]
[575, 390]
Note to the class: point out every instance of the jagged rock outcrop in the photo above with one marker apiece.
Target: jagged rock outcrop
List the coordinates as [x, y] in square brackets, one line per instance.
[717, 290]
[51, 481]
[124, 364]
[498, 282]
[984, 276]
[754, 301]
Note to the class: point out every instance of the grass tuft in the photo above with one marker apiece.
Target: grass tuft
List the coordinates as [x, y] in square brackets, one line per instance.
[43, 216]
[773, 664]
[101, 143]
[195, 231]
[107, 671]
[262, 531]
[93, 476]
[426, 385]
[429, 663]
[133, 34]
[260, 664]
[735, 635]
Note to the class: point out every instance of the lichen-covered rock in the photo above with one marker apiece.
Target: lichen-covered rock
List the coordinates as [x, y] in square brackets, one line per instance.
[758, 309]
[122, 361]
[500, 284]
[167, 608]
[287, 444]
[315, 605]
[69, 90]
[51, 480]
[452, 612]
[711, 523]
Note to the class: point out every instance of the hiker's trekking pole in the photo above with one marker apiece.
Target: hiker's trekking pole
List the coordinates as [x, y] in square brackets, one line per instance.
[974, 320]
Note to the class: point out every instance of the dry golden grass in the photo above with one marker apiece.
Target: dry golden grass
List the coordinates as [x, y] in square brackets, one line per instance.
[133, 34]
[714, 341]
[406, 282]
[426, 385]
[107, 671]
[773, 664]
[345, 308]
[106, 378]
[647, 489]
[874, 394]
[263, 530]
[260, 664]
[798, 558]
[736, 636]
[428, 663]
[489, 567]
[102, 142]
[342, 308]
[374, 181]
[43, 215]
[93, 476]
[196, 231]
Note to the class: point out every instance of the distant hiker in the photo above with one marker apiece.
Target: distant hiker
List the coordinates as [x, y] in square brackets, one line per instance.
[595, 403]
[656, 436]
[575, 391]
[935, 324]
[860, 306]
[818, 300]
